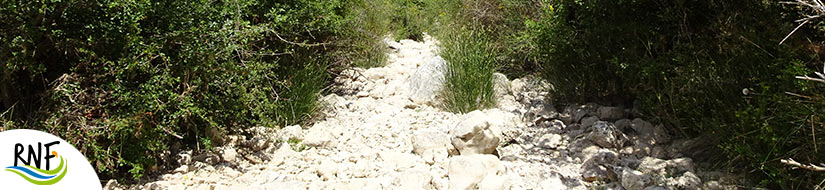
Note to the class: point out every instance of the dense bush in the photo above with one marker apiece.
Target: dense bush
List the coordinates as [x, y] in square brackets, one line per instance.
[705, 68]
[687, 64]
[122, 80]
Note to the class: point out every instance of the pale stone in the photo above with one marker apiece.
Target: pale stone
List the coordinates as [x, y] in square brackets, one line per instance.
[376, 73]
[493, 182]
[550, 141]
[229, 154]
[182, 169]
[426, 83]
[431, 145]
[291, 132]
[467, 171]
[318, 136]
[688, 180]
[475, 134]
[112, 185]
[415, 179]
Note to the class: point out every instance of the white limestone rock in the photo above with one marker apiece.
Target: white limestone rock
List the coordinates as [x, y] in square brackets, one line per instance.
[229, 154]
[426, 83]
[432, 145]
[475, 134]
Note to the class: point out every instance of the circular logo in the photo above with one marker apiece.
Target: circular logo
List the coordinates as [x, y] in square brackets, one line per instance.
[31, 159]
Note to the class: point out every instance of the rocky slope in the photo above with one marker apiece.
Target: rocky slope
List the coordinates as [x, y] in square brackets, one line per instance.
[382, 131]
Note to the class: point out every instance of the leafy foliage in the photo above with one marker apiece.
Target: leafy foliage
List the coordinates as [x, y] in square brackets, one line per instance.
[687, 64]
[127, 79]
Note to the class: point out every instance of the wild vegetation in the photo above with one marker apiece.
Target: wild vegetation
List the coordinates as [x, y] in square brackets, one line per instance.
[706, 69]
[125, 79]
[703, 68]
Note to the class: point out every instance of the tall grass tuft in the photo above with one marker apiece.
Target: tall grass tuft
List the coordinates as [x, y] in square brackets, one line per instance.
[470, 65]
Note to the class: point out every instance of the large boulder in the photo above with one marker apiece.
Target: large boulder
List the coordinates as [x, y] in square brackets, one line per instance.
[505, 121]
[475, 134]
[468, 171]
[426, 83]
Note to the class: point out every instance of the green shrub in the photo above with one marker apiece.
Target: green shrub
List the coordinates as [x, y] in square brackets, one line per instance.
[125, 79]
[470, 65]
[685, 64]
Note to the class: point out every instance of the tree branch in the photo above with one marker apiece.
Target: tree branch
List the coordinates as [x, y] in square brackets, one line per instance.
[816, 5]
[298, 44]
[795, 164]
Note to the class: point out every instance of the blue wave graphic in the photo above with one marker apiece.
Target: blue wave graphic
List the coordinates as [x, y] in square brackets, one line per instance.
[31, 173]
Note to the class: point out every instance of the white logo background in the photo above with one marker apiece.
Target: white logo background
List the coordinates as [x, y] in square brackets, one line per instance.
[80, 174]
